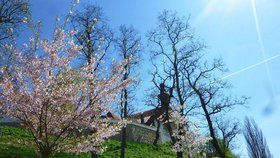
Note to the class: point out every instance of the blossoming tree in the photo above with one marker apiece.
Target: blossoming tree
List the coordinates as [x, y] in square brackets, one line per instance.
[59, 104]
[189, 139]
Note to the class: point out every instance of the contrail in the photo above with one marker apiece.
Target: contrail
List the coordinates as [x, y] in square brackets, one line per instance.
[260, 39]
[250, 67]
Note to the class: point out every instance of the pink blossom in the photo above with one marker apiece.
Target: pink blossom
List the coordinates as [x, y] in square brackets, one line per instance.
[57, 102]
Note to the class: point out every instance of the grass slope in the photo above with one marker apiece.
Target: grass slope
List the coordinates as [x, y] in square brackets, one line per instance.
[12, 145]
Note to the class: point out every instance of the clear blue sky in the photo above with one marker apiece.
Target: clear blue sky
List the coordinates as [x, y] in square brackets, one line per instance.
[228, 27]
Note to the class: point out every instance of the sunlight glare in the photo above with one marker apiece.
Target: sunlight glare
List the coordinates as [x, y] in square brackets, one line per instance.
[221, 7]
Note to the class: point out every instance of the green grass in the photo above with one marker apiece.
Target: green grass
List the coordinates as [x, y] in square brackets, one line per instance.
[135, 150]
[13, 144]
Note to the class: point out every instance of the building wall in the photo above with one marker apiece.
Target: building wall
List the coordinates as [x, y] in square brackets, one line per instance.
[144, 134]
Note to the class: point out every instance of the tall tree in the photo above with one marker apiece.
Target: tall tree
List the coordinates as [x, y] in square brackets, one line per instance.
[256, 142]
[128, 44]
[93, 33]
[174, 42]
[197, 86]
[210, 92]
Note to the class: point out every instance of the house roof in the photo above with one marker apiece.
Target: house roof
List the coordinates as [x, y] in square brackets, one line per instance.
[148, 113]
[113, 116]
[155, 111]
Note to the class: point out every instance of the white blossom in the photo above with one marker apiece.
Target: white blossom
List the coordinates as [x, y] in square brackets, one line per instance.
[25, 20]
[189, 139]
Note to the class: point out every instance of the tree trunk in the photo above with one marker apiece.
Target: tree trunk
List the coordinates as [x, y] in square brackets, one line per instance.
[215, 142]
[212, 133]
[123, 142]
[94, 154]
[45, 153]
[157, 133]
[179, 154]
[123, 135]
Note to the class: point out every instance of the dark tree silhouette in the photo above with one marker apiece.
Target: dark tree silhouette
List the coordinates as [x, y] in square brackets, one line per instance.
[228, 130]
[13, 13]
[13, 16]
[256, 143]
[173, 41]
[93, 33]
[128, 44]
[195, 82]
[210, 93]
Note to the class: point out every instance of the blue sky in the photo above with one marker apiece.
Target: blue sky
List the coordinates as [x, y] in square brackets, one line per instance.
[228, 27]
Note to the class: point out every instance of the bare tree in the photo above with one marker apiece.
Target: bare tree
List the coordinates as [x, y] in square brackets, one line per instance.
[210, 91]
[13, 13]
[256, 143]
[128, 44]
[174, 42]
[93, 33]
[229, 130]
[196, 87]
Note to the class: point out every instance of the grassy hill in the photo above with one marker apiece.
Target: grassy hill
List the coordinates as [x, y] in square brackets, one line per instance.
[12, 146]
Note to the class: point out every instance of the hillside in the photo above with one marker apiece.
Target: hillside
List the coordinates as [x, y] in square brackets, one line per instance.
[12, 142]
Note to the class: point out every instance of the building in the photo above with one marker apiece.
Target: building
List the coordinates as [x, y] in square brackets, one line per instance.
[143, 127]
